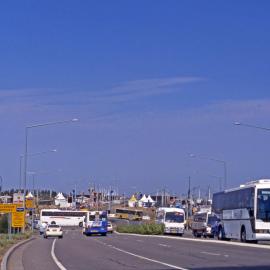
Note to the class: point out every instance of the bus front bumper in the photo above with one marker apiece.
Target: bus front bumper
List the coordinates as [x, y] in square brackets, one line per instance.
[262, 236]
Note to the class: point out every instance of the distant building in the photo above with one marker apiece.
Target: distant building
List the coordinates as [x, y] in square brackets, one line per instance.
[6, 199]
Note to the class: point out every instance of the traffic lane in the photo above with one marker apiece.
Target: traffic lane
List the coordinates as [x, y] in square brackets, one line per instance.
[37, 255]
[192, 254]
[79, 252]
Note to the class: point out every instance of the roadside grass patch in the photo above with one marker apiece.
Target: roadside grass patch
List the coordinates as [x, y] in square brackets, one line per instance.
[6, 243]
[148, 229]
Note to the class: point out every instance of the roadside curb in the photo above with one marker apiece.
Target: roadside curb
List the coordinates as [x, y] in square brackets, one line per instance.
[11, 250]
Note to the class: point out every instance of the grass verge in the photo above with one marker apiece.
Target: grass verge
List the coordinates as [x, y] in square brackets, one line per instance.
[149, 228]
[6, 243]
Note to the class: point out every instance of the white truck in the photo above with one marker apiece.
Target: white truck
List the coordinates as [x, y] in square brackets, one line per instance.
[172, 218]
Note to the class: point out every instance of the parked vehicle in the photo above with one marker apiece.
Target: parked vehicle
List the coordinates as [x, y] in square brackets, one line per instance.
[172, 218]
[202, 223]
[53, 231]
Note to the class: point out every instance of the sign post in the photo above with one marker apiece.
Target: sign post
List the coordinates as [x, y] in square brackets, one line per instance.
[9, 226]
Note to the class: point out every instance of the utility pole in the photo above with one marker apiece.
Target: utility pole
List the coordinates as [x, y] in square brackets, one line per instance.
[188, 201]
[209, 194]
[1, 183]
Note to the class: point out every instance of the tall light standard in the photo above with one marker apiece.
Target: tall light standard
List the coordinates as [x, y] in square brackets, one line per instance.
[223, 162]
[220, 180]
[31, 155]
[1, 183]
[251, 126]
[27, 128]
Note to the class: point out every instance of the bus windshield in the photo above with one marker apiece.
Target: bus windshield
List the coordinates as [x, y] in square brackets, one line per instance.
[263, 205]
[174, 217]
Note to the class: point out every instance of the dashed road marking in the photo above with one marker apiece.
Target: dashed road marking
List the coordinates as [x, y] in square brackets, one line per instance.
[260, 246]
[60, 265]
[163, 245]
[210, 253]
[145, 258]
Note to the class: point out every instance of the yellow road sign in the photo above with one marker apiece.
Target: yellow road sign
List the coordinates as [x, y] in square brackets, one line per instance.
[7, 208]
[18, 219]
[29, 203]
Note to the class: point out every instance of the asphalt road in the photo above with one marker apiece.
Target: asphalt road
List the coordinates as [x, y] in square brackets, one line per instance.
[78, 252]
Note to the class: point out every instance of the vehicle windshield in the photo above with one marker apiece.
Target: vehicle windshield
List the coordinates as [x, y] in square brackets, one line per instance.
[92, 217]
[212, 220]
[263, 205]
[200, 217]
[53, 226]
[103, 217]
[174, 217]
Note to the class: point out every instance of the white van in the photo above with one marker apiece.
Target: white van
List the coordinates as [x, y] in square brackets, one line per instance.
[172, 218]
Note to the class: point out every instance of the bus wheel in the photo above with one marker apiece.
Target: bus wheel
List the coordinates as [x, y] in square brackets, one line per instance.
[253, 241]
[220, 234]
[243, 235]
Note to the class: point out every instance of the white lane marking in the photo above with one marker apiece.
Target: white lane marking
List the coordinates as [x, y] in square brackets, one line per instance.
[139, 240]
[210, 253]
[199, 240]
[163, 245]
[60, 265]
[146, 259]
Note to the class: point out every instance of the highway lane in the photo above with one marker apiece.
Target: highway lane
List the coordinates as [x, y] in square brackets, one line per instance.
[76, 251]
[35, 255]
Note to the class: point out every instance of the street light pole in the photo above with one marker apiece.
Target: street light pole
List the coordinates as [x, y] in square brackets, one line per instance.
[1, 183]
[31, 154]
[26, 150]
[223, 162]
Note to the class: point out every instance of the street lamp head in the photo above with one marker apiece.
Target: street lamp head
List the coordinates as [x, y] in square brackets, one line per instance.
[75, 120]
[54, 150]
[192, 155]
[237, 123]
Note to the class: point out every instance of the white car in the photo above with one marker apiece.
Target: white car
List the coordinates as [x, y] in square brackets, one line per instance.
[53, 230]
[109, 227]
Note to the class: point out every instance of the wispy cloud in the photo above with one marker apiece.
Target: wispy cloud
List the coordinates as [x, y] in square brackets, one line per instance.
[98, 102]
[137, 89]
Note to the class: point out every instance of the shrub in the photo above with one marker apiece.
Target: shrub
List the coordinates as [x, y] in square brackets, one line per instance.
[4, 224]
[149, 229]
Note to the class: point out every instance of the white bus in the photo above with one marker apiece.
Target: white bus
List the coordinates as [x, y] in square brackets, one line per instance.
[63, 217]
[244, 212]
[172, 218]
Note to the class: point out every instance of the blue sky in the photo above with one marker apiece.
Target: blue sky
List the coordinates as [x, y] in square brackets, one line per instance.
[150, 81]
